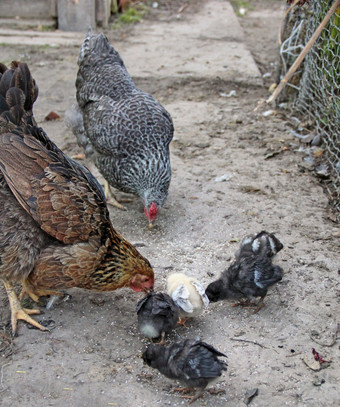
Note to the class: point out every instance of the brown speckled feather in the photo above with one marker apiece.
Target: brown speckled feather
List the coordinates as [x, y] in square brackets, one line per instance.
[64, 204]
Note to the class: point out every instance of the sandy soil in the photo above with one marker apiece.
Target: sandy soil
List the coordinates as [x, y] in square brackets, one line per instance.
[92, 355]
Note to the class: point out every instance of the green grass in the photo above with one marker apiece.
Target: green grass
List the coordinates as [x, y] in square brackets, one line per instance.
[131, 16]
[239, 4]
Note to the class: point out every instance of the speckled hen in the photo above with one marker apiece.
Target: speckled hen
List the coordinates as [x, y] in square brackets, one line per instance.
[55, 230]
[122, 128]
[252, 272]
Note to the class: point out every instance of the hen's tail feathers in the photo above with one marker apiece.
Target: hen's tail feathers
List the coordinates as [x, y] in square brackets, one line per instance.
[74, 121]
[18, 92]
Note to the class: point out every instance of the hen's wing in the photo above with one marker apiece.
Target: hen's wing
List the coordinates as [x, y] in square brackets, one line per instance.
[59, 194]
[137, 119]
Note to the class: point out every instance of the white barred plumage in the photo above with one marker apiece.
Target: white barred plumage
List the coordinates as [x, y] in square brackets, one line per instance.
[124, 129]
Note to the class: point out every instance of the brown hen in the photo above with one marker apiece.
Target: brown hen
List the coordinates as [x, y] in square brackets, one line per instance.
[55, 229]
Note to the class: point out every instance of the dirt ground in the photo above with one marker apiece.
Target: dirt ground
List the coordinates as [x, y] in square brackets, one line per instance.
[238, 172]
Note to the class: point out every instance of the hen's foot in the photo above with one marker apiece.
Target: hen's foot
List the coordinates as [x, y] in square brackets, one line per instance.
[18, 312]
[79, 156]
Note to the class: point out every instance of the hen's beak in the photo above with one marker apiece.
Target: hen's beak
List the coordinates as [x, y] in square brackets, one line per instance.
[150, 225]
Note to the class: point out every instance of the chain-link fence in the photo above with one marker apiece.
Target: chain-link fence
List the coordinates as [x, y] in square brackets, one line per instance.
[314, 90]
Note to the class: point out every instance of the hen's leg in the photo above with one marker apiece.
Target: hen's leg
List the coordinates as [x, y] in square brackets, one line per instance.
[18, 312]
[35, 293]
[112, 200]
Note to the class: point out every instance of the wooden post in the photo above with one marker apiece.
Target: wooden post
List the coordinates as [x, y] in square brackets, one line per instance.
[103, 11]
[76, 15]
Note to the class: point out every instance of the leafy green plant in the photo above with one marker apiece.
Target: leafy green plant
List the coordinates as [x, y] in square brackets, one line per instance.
[132, 15]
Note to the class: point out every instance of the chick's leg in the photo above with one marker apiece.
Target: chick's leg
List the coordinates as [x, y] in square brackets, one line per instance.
[182, 321]
[259, 305]
[250, 305]
[162, 342]
[243, 303]
[200, 394]
[190, 398]
[18, 312]
[183, 389]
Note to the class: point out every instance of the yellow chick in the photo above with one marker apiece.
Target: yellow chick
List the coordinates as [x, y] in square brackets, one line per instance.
[188, 294]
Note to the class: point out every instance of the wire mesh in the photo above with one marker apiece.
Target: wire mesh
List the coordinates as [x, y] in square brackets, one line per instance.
[318, 89]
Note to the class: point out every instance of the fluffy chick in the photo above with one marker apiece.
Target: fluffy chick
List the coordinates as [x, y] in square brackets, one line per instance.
[188, 294]
[252, 272]
[192, 362]
[157, 315]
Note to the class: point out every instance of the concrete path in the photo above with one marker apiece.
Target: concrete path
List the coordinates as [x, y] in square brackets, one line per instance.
[211, 46]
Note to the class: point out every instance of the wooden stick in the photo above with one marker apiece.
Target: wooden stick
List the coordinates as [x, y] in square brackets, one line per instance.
[303, 53]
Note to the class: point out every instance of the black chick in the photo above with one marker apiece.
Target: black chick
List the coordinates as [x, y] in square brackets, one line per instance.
[192, 362]
[252, 272]
[157, 315]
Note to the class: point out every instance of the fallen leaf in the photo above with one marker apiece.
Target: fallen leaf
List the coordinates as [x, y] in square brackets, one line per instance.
[272, 154]
[312, 364]
[250, 394]
[52, 116]
[318, 153]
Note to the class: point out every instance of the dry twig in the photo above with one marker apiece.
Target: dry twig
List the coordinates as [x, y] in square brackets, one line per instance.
[252, 342]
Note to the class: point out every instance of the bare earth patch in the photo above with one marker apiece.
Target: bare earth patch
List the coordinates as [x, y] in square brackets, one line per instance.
[235, 171]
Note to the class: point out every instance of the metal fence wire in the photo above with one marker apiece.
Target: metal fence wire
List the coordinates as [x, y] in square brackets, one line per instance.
[315, 91]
